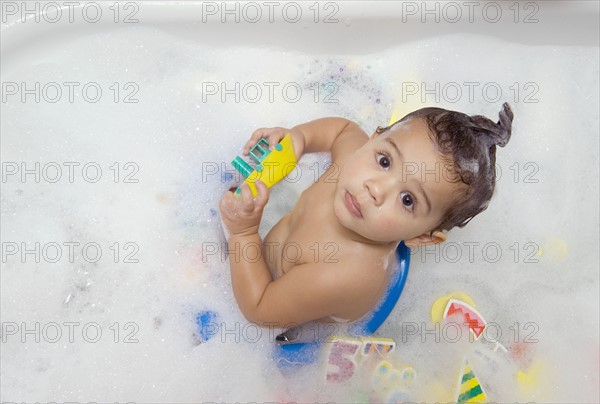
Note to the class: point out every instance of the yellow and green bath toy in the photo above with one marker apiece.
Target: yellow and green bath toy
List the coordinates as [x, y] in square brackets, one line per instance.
[271, 165]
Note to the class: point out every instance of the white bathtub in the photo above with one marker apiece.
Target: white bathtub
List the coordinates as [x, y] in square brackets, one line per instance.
[159, 130]
[343, 24]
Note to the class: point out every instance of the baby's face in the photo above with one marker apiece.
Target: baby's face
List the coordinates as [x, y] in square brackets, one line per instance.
[396, 186]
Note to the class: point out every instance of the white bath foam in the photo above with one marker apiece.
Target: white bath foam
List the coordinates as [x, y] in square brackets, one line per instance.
[172, 135]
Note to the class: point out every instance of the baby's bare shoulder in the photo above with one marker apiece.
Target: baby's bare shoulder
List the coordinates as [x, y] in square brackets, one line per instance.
[361, 271]
[358, 282]
[351, 139]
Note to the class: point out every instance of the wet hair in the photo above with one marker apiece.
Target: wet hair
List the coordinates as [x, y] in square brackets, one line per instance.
[467, 145]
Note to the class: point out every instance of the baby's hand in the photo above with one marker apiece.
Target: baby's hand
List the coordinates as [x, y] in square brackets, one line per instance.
[241, 215]
[274, 136]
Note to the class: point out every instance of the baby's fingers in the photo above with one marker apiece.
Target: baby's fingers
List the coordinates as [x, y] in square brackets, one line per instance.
[273, 136]
[247, 199]
[263, 194]
[256, 136]
[274, 139]
[228, 204]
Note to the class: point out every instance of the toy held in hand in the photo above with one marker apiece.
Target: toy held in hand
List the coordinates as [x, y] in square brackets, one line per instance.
[271, 165]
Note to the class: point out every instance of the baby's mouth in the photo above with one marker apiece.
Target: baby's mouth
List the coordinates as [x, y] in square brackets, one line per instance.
[352, 205]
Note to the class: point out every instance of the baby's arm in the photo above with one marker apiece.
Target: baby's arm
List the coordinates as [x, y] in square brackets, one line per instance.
[308, 291]
[337, 135]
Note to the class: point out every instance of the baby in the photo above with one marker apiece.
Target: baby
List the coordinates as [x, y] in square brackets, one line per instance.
[432, 170]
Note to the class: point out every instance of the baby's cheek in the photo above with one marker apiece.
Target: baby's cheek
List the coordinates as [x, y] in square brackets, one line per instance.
[385, 225]
[349, 172]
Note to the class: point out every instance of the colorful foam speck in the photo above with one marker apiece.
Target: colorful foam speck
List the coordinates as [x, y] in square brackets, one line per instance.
[469, 389]
[271, 166]
[386, 373]
[164, 198]
[472, 317]
[407, 99]
[207, 322]
[383, 370]
[528, 374]
[398, 396]
[531, 376]
[395, 117]
[385, 377]
[522, 353]
[536, 380]
[392, 383]
[554, 249]
[529, 379]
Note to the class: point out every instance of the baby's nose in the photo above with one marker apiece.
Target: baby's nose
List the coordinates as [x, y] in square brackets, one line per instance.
[376, 190]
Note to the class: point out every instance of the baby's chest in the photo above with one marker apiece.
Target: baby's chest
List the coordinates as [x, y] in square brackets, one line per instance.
[299, 241]
[302, 236]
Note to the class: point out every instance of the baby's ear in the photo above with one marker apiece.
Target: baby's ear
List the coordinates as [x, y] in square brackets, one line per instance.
[435, 237]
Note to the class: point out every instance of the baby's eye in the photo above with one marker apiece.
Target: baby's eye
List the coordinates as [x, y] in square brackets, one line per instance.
[407, 200]
[383, 160]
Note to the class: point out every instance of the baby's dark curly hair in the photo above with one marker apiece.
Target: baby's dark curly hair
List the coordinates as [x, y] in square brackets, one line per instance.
[467, 144]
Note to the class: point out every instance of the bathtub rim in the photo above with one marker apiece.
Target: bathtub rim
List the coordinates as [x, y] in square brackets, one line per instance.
[579, 23]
